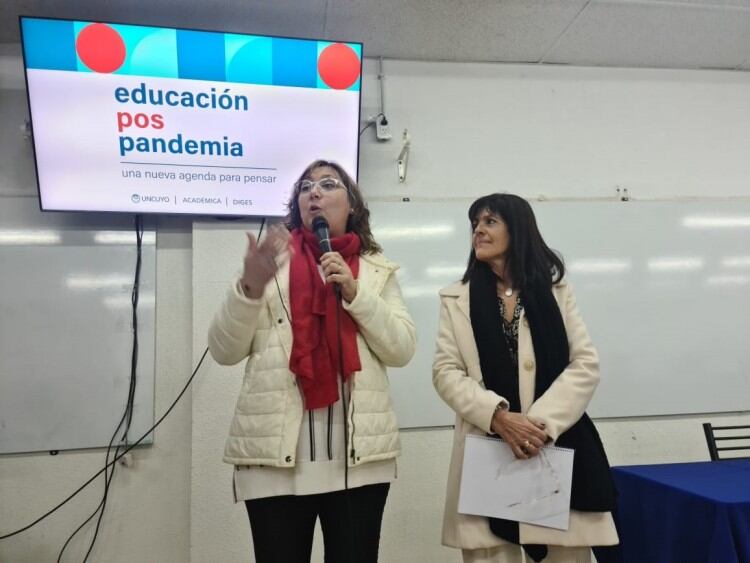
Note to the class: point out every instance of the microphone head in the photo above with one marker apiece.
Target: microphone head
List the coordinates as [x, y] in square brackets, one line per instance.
[320, 228]
[319, 222]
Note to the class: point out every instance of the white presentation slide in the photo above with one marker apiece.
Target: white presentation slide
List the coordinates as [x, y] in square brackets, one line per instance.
[159, 143]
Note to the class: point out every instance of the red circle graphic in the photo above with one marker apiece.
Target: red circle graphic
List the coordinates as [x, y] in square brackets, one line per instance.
[338, 66]
[100, 48]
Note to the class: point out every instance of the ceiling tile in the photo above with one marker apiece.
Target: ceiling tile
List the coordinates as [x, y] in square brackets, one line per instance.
[705, 3]
[461, 30]
[655, 35]
[293, 18]
[650, 33]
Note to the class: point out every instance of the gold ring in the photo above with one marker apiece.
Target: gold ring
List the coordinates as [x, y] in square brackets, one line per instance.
[527, 444]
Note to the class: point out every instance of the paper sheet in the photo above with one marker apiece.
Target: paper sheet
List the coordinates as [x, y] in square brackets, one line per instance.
[495, 483]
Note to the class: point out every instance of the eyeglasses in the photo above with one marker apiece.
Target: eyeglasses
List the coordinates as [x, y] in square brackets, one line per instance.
[327, 184]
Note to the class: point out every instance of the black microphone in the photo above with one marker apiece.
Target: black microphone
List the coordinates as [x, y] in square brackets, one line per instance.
[320, 228]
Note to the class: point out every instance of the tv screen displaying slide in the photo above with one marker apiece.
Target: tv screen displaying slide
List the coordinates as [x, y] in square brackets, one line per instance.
[137, 119]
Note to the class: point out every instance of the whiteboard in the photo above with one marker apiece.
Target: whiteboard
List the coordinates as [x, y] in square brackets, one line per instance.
[663, 287]
[65, 327]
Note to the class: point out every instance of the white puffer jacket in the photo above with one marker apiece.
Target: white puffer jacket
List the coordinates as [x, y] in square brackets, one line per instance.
[268, 414]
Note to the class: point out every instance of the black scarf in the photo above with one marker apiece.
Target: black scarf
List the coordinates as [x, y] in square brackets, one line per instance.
[592, 488]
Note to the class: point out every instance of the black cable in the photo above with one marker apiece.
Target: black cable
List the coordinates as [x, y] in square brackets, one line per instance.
[130, 403]
[343, 396]
[345, 406]
[134, 296]
[276, 279]
[117, 457]
[278, 288]
[311, 423]
[343, 402]
[366, 127]
[103, 503]
[107, 480]
[330, 433]
[98, 508]
[260, 231]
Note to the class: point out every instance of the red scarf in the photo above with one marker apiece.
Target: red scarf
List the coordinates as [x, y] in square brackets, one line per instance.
[315, 355]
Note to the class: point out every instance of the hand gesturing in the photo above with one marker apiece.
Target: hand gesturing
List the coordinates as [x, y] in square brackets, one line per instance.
[261, 260]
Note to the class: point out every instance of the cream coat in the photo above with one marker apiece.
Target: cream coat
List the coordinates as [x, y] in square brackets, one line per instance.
[457, 377]
[268, 414]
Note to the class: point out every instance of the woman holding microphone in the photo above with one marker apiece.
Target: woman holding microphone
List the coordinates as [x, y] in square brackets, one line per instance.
[314, 434]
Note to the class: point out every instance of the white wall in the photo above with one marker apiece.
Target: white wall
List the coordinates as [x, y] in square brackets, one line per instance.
[148, 509]
[147, 517]
[562, 132]
[558, 131]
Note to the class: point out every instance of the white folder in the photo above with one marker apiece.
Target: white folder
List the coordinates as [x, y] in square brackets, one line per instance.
[495, 483]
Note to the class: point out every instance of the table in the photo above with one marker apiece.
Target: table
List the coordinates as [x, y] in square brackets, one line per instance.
[684, 512]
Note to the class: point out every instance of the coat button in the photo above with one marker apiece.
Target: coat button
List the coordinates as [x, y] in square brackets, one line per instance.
[528, 365]
[281, 321]
[288, 459]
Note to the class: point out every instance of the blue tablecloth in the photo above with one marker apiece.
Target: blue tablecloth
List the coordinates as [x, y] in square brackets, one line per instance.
[684, 512]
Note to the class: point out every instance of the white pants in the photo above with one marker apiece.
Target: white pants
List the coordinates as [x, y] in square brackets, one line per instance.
[514, 554]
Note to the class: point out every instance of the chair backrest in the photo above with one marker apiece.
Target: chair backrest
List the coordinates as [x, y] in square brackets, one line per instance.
[736, 438]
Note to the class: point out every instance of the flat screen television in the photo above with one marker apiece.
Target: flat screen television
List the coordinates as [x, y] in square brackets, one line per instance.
[137, 119]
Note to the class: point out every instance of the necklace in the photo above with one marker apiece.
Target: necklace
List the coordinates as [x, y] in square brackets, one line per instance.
[508, 291]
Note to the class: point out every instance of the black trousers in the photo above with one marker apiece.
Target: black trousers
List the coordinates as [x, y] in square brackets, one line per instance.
[283, 527]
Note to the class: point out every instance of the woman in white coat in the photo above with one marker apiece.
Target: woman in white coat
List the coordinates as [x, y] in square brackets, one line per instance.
[514, 359]
[312, 439]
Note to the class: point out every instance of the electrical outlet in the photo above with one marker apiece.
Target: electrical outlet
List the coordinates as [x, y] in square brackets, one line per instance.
[382, 129]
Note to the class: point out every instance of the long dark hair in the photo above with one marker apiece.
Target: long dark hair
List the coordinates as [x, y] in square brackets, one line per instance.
[358, 221]
[530, 262]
